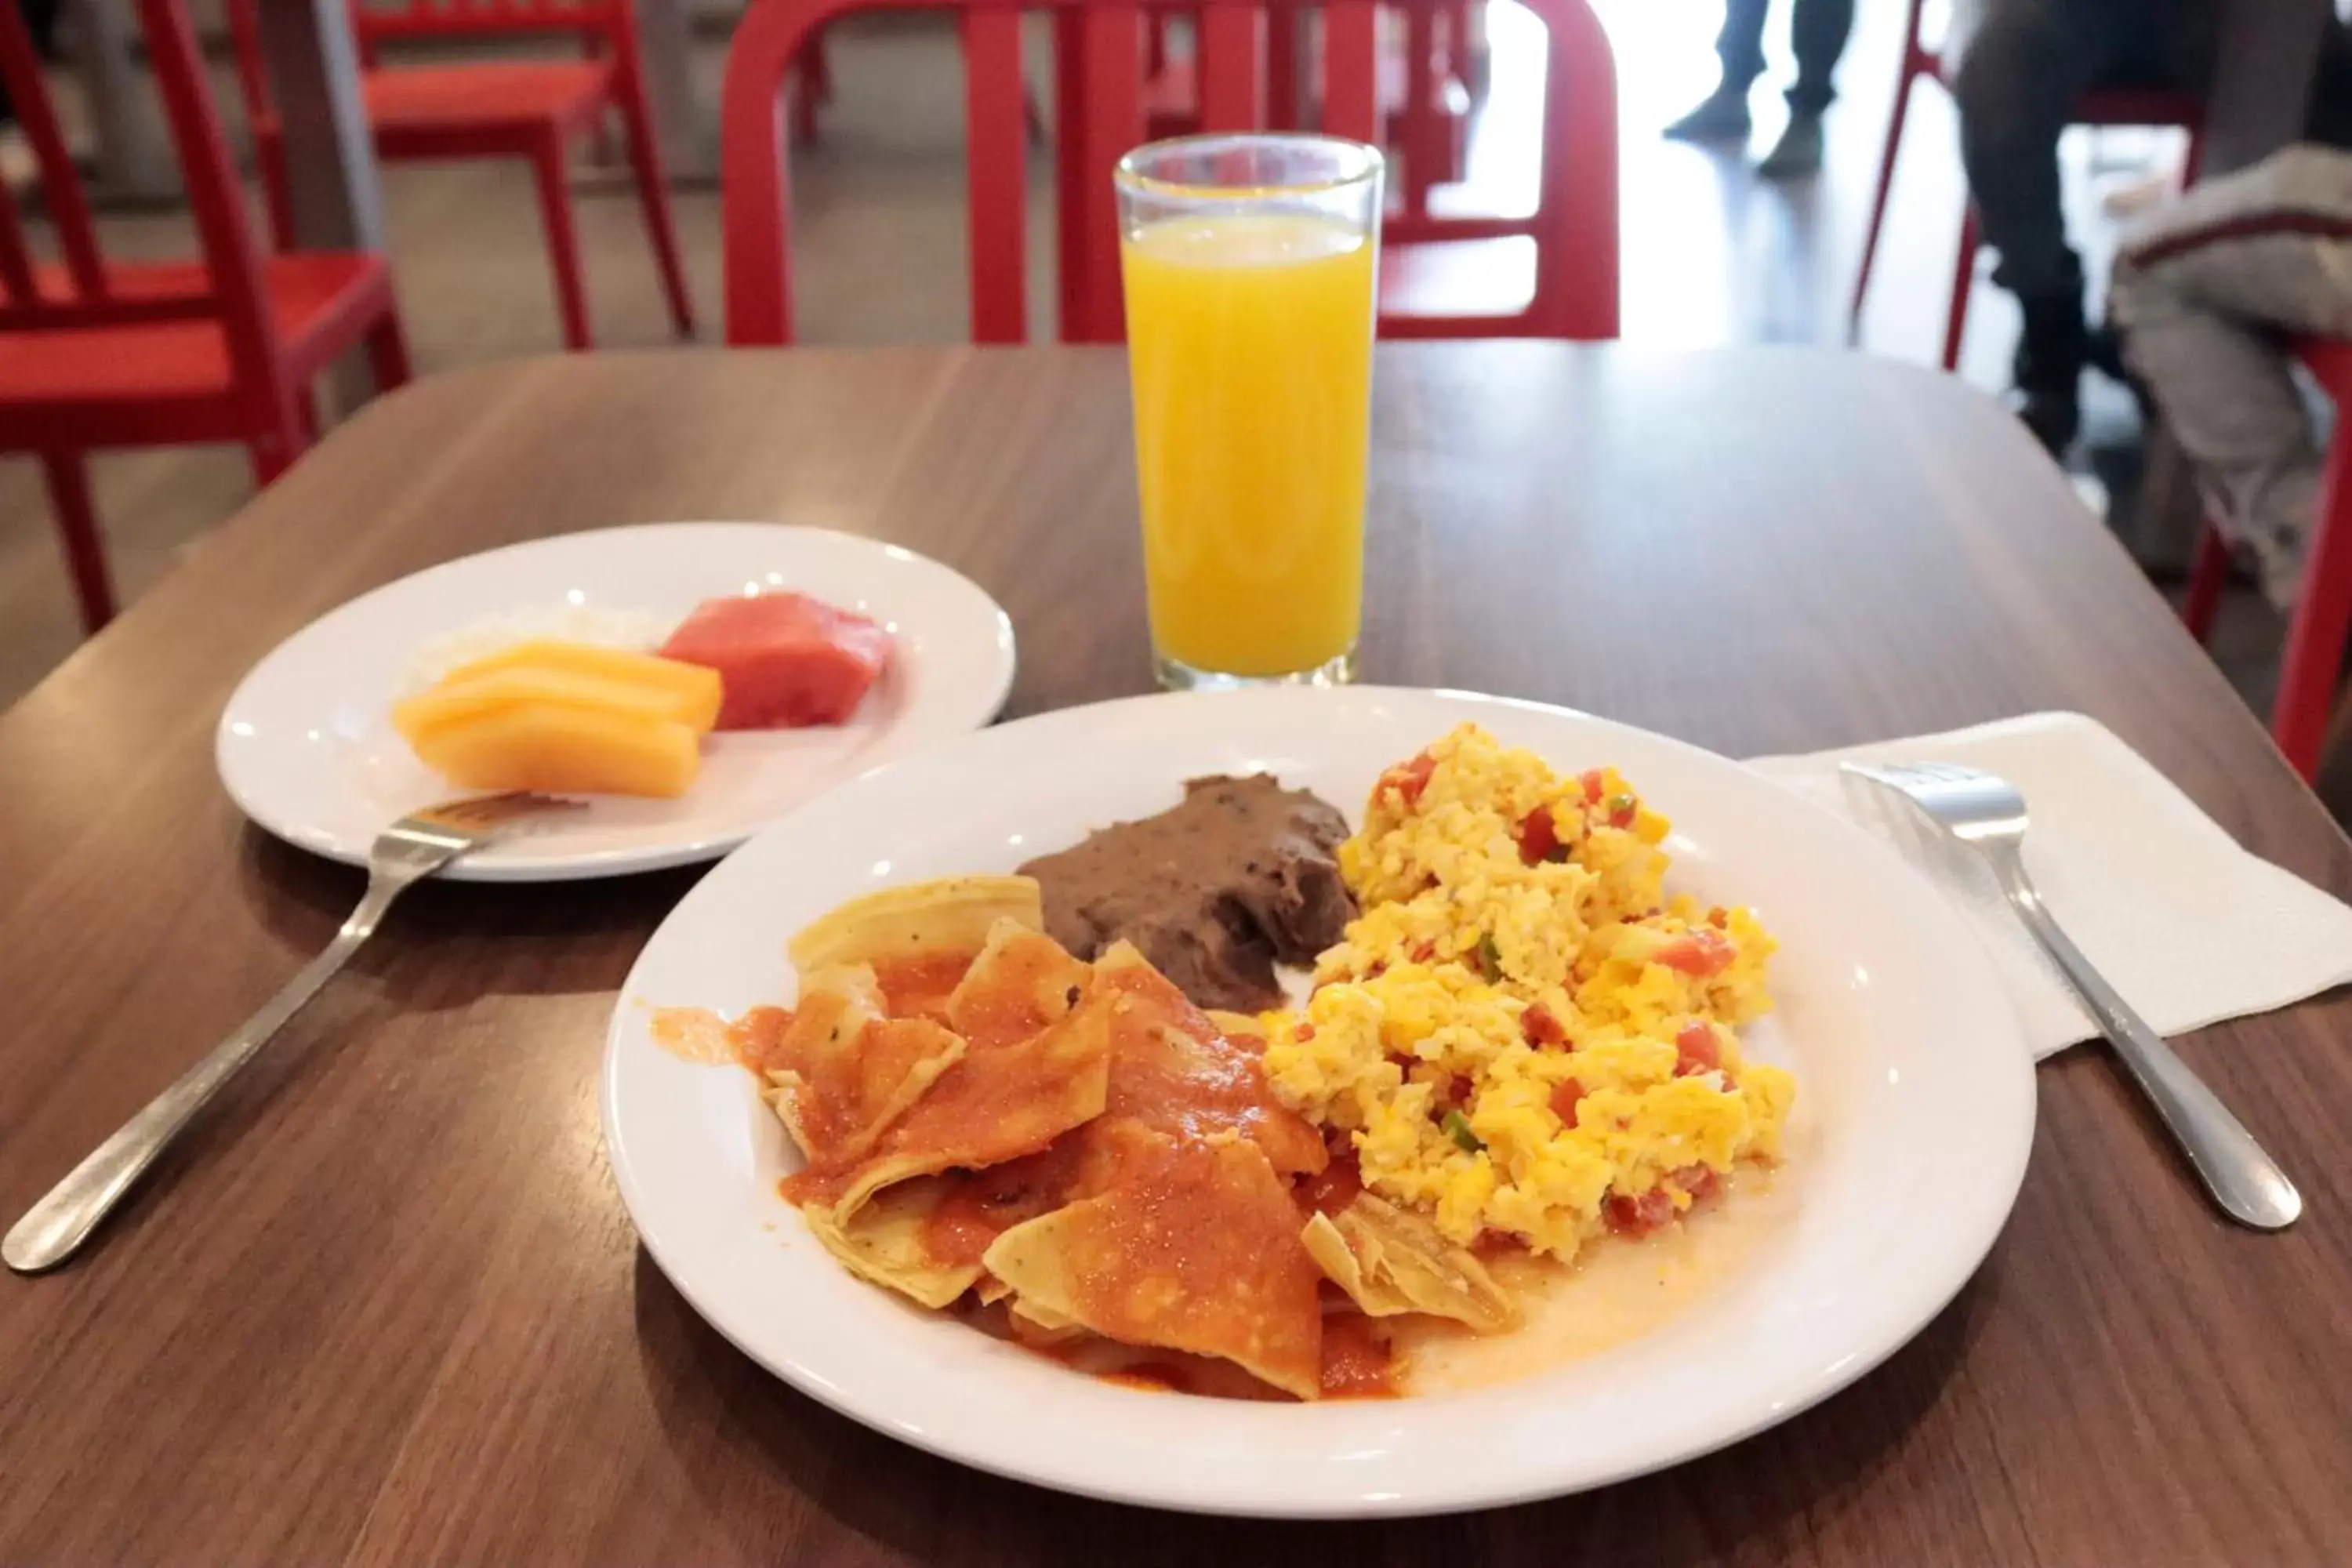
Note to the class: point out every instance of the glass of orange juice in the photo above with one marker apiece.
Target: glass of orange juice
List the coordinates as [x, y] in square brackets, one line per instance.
[1248, 266]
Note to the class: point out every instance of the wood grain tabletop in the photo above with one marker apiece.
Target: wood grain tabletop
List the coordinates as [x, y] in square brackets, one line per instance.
[385, 1305]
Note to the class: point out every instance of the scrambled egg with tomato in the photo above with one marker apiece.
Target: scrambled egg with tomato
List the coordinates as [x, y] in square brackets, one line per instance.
[1521, 1033]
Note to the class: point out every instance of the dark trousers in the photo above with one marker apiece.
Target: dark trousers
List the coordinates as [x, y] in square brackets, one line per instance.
[2022, 67]
[1817, 34]
[41, 20]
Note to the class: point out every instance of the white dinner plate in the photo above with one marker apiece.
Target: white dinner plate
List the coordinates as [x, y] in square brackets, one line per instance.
[1914, 1112]
[306, 748]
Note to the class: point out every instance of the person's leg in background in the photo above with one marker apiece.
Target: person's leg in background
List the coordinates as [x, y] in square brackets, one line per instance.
[2207, 291]
[2024, 65]
[1817, 30]
[1722, 115]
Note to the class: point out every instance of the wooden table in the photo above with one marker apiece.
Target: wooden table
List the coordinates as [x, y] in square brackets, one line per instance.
[386, 1307]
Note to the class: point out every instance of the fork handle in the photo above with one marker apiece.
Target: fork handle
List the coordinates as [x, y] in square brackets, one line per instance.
[2246, 1182]
[55, 1228]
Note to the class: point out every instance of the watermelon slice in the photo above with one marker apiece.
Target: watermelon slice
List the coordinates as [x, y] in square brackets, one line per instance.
[786, 660]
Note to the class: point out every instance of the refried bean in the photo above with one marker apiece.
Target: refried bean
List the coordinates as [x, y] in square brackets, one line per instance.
[1214, 891]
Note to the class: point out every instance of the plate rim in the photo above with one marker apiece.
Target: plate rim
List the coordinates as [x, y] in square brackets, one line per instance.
[596, 863]
[1961, 1265]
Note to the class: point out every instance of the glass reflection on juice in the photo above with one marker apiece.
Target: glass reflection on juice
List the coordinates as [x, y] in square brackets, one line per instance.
[1248, 263]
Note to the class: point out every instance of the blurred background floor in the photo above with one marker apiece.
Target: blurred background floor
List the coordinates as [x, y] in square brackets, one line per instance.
[1713, 255]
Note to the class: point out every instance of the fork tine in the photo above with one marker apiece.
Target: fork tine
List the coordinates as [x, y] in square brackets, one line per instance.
[475, 809]
[1893, 775]
[522, 803]
[489, 810]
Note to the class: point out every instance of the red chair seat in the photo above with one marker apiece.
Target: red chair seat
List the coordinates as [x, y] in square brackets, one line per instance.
[317, 299]
[408, 104]
[465, 109]
[2329, 360]
[509, 107]
[2321, 621]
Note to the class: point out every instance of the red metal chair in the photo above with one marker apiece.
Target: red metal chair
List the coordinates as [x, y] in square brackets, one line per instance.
[1424, 95]
[1099, 77]
[495, 109]
[97, 353]
[2322, 619]
[2142, 108]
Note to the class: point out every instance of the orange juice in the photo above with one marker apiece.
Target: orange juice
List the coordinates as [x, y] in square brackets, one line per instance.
[1250, 341]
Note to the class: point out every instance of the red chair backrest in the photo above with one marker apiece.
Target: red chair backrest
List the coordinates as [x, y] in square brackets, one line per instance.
[23, 297]
[1098, 64]
[76, 291]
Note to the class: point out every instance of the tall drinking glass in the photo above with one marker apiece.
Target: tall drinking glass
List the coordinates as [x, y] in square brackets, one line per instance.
[1248, 265]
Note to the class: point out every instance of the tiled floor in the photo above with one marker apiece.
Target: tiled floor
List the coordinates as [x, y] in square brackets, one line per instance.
[1713, 255]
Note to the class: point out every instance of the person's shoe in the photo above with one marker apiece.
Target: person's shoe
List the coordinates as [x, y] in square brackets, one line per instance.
[1798, 152]
[1721, 116]
[2048, 370]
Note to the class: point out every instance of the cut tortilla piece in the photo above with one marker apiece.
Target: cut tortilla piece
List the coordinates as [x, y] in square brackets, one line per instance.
[1245, 1030]
[998, 1104]
[1174, 1069]
[954, 913]
[841, 1073]
[1194, 1249]
[885, 1242]
[1390, 1261]
[1022, 982]
[979, 1205]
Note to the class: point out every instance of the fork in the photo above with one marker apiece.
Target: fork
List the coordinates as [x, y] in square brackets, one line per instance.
[404, 854]
[1987, 814]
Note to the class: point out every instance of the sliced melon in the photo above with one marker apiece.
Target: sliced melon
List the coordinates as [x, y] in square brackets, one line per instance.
[560, 748]
[461, 698]
[699, 691]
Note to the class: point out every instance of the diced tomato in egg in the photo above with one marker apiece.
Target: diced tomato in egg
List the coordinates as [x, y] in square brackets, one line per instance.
[1640, 1214]
[1706, 953]
[1540, 1026]
[1696, 1050]
[1410, 778]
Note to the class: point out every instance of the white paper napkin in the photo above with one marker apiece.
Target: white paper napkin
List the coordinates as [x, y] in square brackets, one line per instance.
[2190, 927]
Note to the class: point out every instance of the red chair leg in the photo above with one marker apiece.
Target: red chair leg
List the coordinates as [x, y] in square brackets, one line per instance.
[1878, 204]
[269, 156]
[85, 551]
[811, 91]
[1282, 106]
[282, 445]
[1964, 282]
[820, 68]
[602, 148]
[653, 191]
[387, 352]
[2323, 617]
[563, 239]
[803, 110]
[2209, 574]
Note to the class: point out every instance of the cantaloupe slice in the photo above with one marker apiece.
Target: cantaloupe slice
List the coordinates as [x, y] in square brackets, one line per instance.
[459, 697]
[698, 691]
[561, 749]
